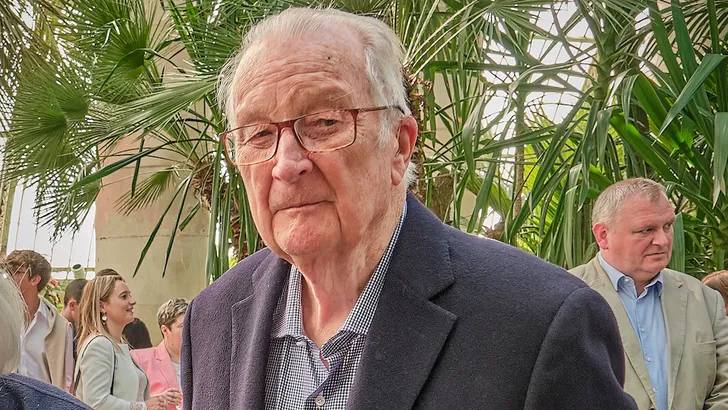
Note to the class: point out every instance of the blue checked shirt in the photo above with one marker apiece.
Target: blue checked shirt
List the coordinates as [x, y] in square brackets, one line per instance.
[296, 377]
[648, 322]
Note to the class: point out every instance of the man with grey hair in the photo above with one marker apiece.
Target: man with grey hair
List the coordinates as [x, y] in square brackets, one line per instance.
[363, 298]
[674, 329]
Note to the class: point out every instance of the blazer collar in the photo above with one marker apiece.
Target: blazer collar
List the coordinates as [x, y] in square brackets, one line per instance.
[675, 310]
[252, 320]
[597, 279]
[405, 337]
[408, 330]
[674, 301]
[162, 359]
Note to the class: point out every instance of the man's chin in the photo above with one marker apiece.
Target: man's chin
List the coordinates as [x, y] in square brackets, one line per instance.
[301, 244]
[658, 264]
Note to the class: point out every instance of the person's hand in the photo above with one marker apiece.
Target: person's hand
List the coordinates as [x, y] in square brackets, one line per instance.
[155, 403]
[172, 397]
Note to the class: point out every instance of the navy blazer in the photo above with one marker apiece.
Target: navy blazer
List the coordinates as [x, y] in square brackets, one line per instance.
[462, 323]
[19, 393]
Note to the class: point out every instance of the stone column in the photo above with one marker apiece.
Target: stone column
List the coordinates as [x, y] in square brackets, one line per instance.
[121, 238]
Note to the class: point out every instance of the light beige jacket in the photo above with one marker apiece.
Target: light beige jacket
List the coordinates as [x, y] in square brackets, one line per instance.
[697, 339]
[100, 364]
[56, 348]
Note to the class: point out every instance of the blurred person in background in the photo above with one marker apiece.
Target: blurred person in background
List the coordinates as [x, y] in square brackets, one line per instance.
[137, 335]
[161, 363]
[19, 392]
[718, 281]
[47, 349]
[71, 309]
[106, 377]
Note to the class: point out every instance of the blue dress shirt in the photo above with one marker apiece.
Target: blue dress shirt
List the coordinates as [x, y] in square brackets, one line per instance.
[648, 322]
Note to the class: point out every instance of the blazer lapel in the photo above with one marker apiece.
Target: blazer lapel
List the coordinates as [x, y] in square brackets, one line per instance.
[598, 280]
[674, 302]
[408, 330]
[164, 362]
[251, 327]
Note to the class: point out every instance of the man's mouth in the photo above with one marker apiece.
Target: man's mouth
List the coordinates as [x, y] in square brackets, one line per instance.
[303, 205]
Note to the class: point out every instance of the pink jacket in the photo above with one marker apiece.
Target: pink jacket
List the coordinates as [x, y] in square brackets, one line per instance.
[157, 364]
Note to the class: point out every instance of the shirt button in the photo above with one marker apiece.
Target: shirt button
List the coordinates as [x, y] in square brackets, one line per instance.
[627, 280]
[649, 360]
[320, 400]
[300, 343]
[642, 329]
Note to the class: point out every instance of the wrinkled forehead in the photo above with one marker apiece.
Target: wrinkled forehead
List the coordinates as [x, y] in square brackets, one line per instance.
[322, 67]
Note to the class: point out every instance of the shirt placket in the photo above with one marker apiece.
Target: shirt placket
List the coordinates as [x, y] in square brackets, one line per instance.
[333, 353]
[644, 331]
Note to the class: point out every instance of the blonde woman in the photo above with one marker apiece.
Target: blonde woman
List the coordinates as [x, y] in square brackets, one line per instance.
[106, 377]
[19, 392]
[719, 281]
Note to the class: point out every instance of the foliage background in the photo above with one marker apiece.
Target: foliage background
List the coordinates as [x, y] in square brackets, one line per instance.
[641, 89]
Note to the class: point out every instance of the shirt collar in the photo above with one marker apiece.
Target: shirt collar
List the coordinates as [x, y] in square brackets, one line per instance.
[41, 315]
[289, 321]
[615, 276]
[43, 309]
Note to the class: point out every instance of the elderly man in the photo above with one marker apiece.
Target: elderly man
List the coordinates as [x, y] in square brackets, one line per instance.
[363, 298]
[674, 329]
[46, 352]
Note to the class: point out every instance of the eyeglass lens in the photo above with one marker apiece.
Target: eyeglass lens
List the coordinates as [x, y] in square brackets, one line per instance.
[319, 132]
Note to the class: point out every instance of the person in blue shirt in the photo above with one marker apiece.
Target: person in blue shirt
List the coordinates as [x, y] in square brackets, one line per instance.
[673, 328]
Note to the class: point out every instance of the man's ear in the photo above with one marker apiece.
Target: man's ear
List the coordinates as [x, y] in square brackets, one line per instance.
[164, 329]
[406, 139]
[35, 280]
[72, 304]
[600, 231]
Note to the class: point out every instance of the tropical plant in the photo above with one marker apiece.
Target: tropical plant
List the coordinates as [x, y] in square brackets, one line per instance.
[130, 70]
[119, 79]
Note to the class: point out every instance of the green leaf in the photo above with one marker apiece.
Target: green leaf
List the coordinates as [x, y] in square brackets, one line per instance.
[720, 156]
[677, 262]
[709, 63]
[471, 129]
[570, 216]
[156, 230]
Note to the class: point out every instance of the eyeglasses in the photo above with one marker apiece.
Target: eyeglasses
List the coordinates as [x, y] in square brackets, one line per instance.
[320, 132]
[17, 272]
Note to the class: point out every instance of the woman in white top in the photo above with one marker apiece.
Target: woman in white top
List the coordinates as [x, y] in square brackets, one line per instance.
[106, 377]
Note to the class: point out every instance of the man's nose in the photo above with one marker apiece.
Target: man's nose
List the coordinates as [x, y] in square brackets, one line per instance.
[291, 159]
[662, 237]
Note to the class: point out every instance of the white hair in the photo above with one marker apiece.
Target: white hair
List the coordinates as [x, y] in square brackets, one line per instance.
[608, 205]
[383, 59]
[12, 321]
